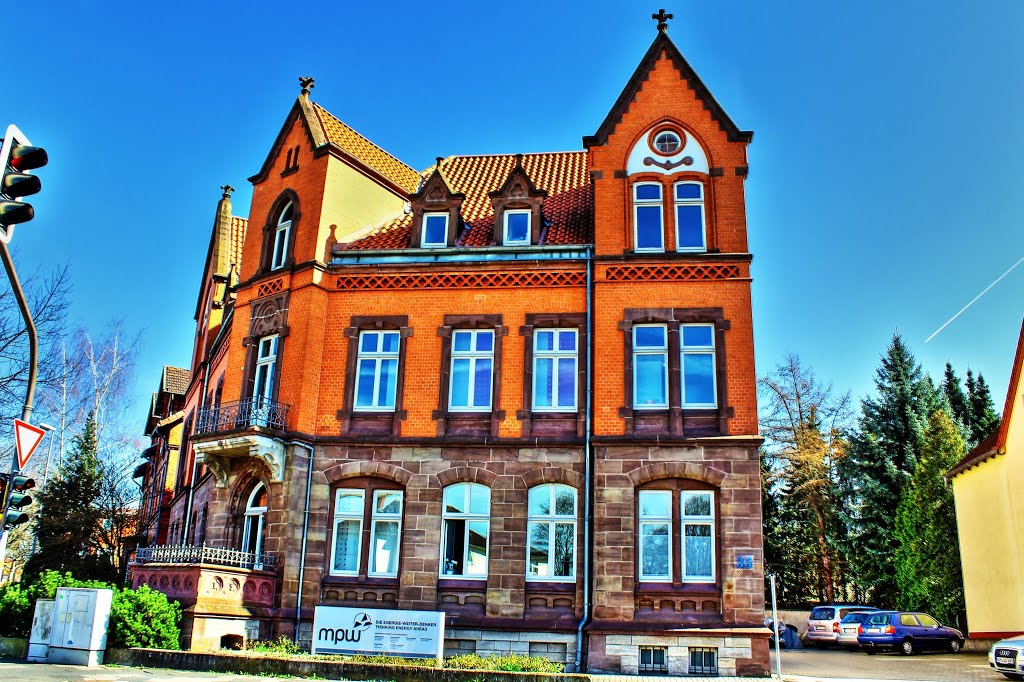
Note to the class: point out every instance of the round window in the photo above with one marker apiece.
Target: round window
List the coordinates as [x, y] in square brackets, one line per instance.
[666, 143]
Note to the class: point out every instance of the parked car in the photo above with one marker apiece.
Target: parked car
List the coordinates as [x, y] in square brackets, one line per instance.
[907, 633]
[849, 628]
[1007, 657]
[823, 623]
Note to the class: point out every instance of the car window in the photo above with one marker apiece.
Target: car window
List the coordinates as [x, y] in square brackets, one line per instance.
[908, 619]
[843, 612]
[853, 618]
[879, 619]
[927, 620]
[823, 613]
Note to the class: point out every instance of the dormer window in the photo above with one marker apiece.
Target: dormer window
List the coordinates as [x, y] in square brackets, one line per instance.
[517, 227]
[281, 234]
[435, 230]
[648, 229]
[689, 200]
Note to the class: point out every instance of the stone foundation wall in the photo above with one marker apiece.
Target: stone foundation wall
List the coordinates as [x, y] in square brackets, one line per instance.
[738, 654]
[557, 647]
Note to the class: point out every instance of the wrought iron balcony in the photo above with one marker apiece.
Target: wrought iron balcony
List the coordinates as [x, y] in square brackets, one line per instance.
[242, 414]
[216, 556]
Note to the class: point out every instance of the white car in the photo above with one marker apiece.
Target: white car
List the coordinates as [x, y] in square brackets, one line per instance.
[1007, 656]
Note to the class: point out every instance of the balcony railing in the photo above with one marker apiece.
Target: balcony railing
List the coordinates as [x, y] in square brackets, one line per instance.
[242, 414]
[217, 556]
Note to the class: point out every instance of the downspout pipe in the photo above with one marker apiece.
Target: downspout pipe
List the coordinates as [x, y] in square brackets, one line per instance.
[588, 478]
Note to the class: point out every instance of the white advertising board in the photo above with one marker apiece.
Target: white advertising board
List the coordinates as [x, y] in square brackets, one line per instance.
[384, 632]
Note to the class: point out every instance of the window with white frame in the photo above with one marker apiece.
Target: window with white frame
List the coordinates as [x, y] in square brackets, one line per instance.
[551, 554]
[377, 371]
[348, 531]
[690, 227]
[281, 233]
[650, 366]
[516, 227]
[435, 230]
[698, 545]
[266, 369]
[349, 535]
[254, 522]
[555, 360]
[648, 227]
[385, 533]
[655, 511]
[472, 372]
[465, 530]
[698, 365]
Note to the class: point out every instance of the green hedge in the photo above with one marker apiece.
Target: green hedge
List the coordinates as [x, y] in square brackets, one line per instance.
[138, 618]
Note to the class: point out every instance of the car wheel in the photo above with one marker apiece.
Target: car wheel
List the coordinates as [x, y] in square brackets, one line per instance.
[955, 645]
[907, 647]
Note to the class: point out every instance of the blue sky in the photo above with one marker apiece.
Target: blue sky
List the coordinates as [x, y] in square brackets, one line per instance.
[884, 190]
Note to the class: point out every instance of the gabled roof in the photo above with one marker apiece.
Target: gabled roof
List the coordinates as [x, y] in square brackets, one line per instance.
[662, 43]
[568, 210]
[327, 132]
[366, 152]
[995, 444]
[174, 380]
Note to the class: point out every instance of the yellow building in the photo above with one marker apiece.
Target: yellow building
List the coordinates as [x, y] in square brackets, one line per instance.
[990, 518]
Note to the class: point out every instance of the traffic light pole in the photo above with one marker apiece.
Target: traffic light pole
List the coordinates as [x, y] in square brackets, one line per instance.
[26, 410]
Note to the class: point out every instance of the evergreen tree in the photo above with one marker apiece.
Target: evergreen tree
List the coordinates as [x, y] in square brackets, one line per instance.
[880, 459]
[984, 419]
[960, 409]
[928, 559]
[69, 517]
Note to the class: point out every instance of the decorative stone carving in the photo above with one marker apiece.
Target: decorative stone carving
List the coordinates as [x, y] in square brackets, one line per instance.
[217, 453]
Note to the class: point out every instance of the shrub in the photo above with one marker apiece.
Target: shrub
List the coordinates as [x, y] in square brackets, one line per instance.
[144, 618]
[281, 645]
[517, 663]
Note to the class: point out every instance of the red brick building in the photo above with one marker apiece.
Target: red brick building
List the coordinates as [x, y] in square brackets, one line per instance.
[516, 388]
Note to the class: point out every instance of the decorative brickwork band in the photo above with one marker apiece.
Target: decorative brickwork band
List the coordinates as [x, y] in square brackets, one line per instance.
[652, 273]
[268, 288]
[470, 280]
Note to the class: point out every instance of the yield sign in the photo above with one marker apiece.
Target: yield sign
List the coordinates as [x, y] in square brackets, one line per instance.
[27, 438]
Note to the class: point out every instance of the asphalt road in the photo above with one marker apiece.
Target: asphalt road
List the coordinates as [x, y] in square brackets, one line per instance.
[931, 667]
[42, 672]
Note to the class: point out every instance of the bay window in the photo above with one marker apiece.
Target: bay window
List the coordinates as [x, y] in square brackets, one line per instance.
[465, 530]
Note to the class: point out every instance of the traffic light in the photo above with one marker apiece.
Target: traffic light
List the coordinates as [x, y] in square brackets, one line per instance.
[17, 157]
[17, 498]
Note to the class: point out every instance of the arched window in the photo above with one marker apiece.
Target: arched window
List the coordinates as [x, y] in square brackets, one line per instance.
[281, 235]
[648, 223]
[465, 530]
[367, 522]
[254, 521]
[689, 201]
[551, 554]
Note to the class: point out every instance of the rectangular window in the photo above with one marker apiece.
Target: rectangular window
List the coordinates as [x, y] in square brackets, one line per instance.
[465, 529]
[435, 230]
[690, 228]
[648, 228]
[698, 365]
[517, 227]
[551, 553]
[377, 371]
[348, 528]
[650, 366]
[703, 661]
[554, 370]
[472, 372]
[653, 659]
[655, 535]
[698, 519]
[386, 533]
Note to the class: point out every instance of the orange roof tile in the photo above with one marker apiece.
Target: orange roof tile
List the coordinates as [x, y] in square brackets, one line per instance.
[175, 380]
[568, 210]
[367, 152]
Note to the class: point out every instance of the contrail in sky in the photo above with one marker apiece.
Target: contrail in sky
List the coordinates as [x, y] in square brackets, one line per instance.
[973, 300]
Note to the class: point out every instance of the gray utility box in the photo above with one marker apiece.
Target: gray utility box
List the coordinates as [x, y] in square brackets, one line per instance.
[42, 626]
[80, 620]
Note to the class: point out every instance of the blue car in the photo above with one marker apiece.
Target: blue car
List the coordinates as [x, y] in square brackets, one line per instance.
[907, 633]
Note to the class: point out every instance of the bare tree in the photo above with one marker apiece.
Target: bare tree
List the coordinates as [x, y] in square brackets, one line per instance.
[803, 420]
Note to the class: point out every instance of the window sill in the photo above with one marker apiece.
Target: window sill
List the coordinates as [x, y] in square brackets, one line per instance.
[567, 586]
[462, 583]
[648, 587]
[358, 581]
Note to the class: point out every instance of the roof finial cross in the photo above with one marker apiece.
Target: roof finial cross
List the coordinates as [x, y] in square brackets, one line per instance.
[662, 18]
[307, 84]
[228, 189]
